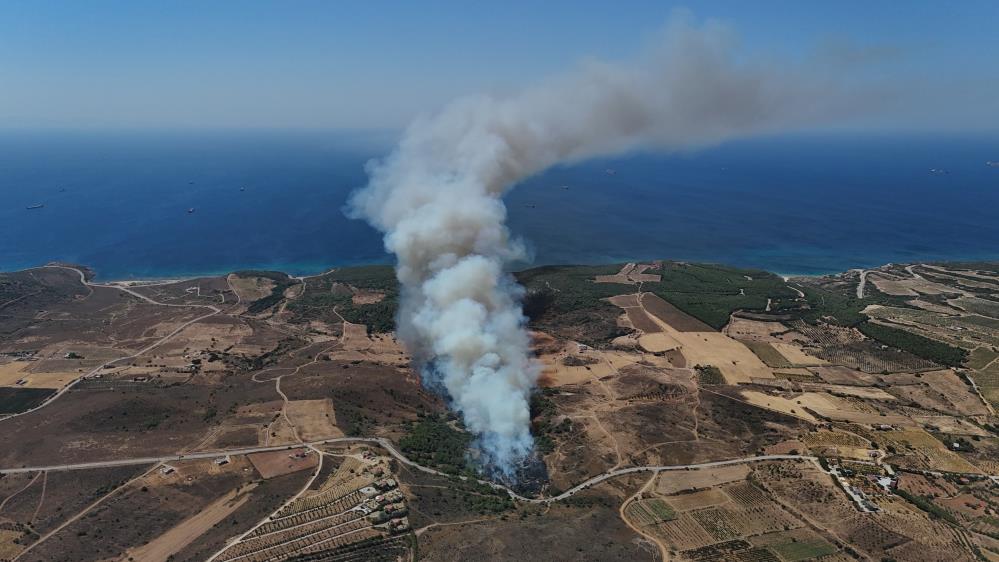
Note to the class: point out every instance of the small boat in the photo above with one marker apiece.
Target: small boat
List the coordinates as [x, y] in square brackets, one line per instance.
[38, 206]
[191, 210]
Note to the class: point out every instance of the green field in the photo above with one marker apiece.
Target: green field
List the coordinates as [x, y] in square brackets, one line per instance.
[799, 544]
[660, 509]
[920, 346]
[711, 293]
[768, 354]
[650, 512]
[709, 374]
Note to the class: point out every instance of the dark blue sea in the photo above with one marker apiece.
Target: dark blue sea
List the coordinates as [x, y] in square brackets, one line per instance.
[805, 204]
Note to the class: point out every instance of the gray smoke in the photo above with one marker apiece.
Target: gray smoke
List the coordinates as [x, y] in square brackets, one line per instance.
[438, 199]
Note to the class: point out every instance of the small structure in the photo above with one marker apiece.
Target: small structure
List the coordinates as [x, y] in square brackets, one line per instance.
[399, 525]
[220, 461]
[396, 510]
[385, 484]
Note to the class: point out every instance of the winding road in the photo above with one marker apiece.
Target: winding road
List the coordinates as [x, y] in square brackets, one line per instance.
[863, 282]
[390, 447]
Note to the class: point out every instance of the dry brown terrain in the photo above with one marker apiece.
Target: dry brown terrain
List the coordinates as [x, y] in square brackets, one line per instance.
[209, 366]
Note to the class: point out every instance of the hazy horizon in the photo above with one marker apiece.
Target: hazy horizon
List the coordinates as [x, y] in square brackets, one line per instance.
[313, 65]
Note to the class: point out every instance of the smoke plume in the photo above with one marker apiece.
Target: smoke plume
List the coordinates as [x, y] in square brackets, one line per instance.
[438, 199]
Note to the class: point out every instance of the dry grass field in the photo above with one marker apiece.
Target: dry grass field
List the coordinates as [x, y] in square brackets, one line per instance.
[279, 463]
[313, 419]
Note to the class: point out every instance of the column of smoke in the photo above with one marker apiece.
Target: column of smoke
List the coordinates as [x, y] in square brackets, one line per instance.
[438, 199]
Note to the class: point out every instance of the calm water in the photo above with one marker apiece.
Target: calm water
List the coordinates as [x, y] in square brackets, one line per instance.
[119, 202]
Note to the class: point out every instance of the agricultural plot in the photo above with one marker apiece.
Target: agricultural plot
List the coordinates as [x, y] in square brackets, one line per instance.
[715, 524]
[698, 500]
[799, 544]
[943, 391]
[797, 355]
[843, 375]
[631, 274]
[752, 511]
[791, 407]
[976, 305]
[314, 419]
[987, 381]
[768, 354]
[981, 357]
[760, 330]
[650, 512]
[356, 507]
[671, 315]
[678, 481]
[847, 347]
[924, 450]
[14, 400]
[684, 533]
[277, 463]
[967, 332]
[825, 438]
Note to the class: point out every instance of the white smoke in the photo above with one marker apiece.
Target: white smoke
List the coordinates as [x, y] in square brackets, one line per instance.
[437, 197]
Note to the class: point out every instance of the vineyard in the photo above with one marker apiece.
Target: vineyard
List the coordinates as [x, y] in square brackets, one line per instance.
[715, 522]
[684, 533]
[650, 512]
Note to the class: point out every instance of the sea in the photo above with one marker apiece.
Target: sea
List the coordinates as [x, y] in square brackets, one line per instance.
[165, 204]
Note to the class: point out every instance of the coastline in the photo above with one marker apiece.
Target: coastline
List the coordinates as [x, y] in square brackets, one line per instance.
[299, 270]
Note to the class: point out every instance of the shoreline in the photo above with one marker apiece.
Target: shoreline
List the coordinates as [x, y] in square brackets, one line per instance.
[315, 271]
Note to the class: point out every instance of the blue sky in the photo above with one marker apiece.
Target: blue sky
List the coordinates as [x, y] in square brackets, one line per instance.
[376, 64]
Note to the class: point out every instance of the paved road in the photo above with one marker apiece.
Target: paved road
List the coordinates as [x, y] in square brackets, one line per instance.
[863, 282]
[388, 446]
[186, 456]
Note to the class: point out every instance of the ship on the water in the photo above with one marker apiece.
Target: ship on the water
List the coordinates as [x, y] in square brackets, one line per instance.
[38, 206]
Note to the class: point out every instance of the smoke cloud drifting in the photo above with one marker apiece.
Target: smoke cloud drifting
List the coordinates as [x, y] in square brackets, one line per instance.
[437, 198]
